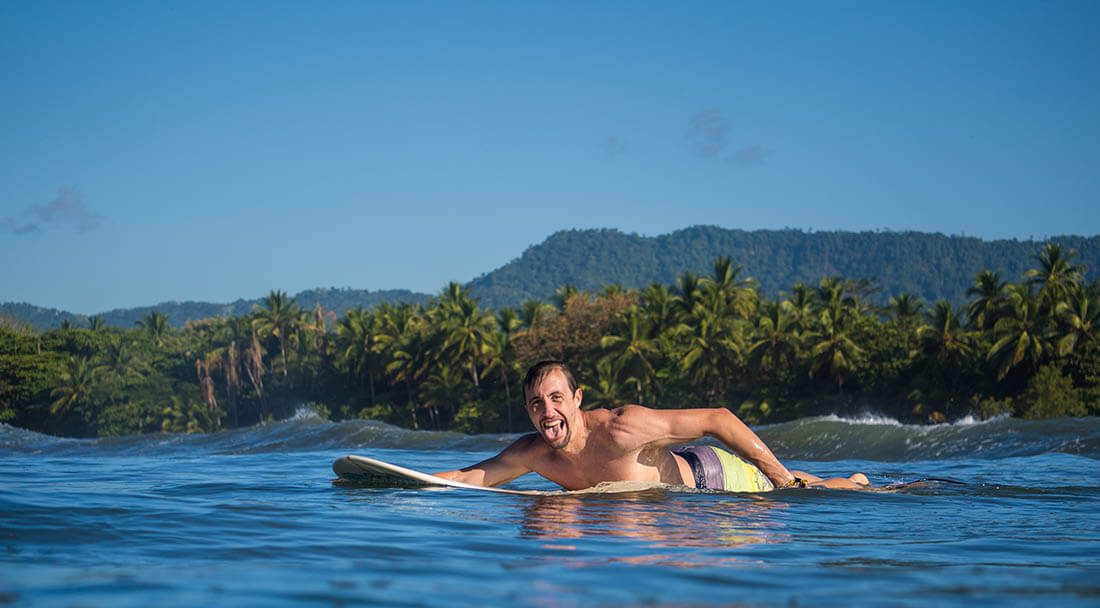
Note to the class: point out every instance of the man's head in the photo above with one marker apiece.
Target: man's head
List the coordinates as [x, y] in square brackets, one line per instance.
[553, 401]
[540, 370]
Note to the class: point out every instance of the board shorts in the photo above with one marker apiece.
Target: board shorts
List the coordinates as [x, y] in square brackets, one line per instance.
[717, 469]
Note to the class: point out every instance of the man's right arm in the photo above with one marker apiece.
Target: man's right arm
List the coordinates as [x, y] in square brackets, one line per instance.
[511, 463]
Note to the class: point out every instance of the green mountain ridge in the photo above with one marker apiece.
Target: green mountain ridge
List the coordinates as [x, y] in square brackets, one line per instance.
[930, 266]
[179, 313]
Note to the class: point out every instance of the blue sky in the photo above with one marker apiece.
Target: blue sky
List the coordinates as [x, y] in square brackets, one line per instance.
[156, 151]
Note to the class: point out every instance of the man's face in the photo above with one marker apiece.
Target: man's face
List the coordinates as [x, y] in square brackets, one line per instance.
[553, 409]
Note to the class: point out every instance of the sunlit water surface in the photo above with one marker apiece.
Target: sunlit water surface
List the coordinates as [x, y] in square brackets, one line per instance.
[251, 517]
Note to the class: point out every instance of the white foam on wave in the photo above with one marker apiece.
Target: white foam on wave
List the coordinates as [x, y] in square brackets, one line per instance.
[867, 419]
[882, 420]
[305, 412]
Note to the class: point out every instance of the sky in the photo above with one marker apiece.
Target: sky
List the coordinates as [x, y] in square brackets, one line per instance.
[196, 150]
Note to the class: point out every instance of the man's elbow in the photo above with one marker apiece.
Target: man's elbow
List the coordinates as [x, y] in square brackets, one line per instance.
[722, 418]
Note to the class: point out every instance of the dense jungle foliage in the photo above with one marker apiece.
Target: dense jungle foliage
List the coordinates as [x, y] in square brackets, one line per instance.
[1028, 348]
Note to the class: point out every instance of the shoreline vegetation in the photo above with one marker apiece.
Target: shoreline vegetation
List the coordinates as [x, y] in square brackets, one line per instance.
[1028, 348]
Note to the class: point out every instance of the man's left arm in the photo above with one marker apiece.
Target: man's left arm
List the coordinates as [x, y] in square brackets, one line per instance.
[672, 427]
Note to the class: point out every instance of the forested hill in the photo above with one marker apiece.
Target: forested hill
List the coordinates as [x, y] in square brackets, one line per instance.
[179, 313]
[931, 266]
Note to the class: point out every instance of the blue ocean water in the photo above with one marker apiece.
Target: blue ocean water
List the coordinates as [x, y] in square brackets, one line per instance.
[250, 517]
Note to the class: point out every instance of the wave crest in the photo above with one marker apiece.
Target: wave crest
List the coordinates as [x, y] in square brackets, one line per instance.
[867, 437]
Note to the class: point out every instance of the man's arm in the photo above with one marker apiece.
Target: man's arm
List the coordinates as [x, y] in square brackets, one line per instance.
[670, 427]
[511, 463]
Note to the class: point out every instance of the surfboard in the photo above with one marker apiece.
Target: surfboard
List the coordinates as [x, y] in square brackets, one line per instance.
[362, 470]
[365, 471]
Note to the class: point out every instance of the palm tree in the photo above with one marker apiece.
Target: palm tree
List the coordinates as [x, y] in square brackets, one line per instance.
[278, 316]
[311, 342]
[943, 338]
[501, 357]
[988, 293]
[254, 368]
[206, 385]
[532, 312]
[660, 307]
[443, 390]
[119, 359]
[1056, 276]
[831, 296]
[777, 341]
[155, 326]
[357, 336]
[944, 354]
[802, 306]
[714, 347]
[689, 292]
[905, 312]
[221, 356]
[1080, 316]
[633, 352]
[401, 342]
[116, 364]
[725, 290]
[608, 389]
[466, 328]
[96, 323]
[74, 386]
[836, 316]
[832, 347]
[906, 308]
[1020, 335]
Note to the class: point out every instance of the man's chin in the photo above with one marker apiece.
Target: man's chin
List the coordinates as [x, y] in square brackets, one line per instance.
[559, 443]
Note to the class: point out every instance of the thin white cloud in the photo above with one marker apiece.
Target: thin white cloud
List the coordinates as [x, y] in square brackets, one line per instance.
[67, 208]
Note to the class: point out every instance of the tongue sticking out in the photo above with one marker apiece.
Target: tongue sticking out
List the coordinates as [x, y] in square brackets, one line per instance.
[554, 431]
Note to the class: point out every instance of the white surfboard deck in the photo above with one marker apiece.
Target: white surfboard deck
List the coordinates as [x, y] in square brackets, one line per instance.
[374, 472]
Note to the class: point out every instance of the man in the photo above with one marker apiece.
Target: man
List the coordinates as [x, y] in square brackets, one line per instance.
[578, 449]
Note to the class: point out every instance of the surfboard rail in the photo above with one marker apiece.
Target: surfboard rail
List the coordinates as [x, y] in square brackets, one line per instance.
[371, 471]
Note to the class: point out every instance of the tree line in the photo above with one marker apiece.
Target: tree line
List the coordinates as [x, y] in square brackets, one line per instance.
[1026, 348]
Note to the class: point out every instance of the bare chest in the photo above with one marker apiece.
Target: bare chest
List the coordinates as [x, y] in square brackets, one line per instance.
[596, 465]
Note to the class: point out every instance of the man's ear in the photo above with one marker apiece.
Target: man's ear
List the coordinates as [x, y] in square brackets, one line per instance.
[578, 396]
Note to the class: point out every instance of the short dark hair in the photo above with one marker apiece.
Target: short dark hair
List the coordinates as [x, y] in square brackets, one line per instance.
[541, 369]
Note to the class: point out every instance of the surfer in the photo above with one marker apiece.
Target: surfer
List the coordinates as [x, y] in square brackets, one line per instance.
[579, 449]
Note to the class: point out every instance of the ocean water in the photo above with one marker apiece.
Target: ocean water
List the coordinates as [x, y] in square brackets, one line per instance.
[251, 517]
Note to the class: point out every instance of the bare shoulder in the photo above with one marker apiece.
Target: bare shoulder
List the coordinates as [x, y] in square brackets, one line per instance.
[525, 448]
[632, 414]
[642, 425]
[634, 425]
